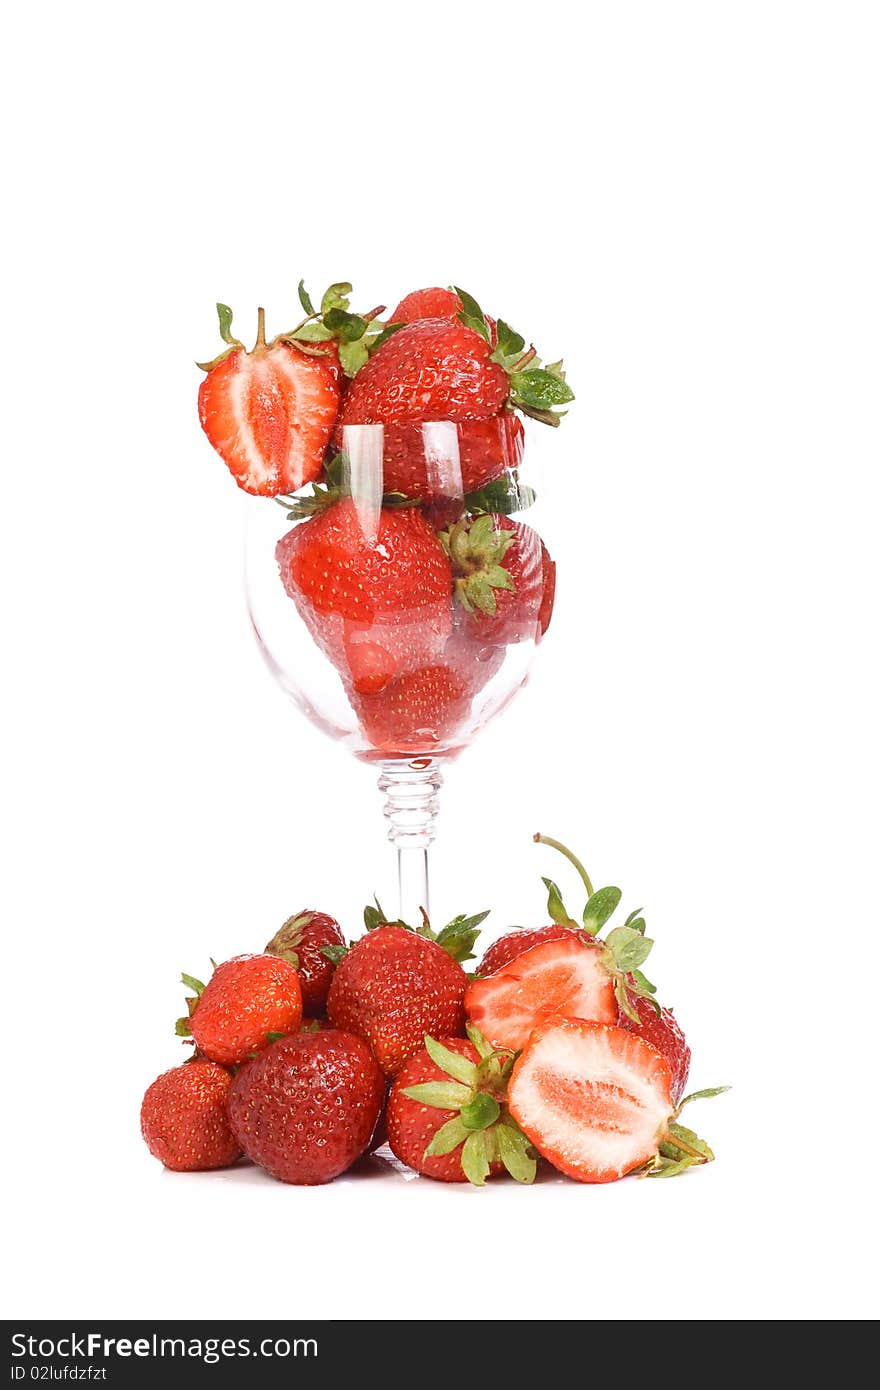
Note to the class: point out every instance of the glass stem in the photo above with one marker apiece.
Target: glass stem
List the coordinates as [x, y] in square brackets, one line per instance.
[411, 788]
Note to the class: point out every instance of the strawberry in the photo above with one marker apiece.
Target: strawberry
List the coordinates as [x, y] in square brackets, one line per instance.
[305, 1109]
[245, 1002]
[505, 580]
[375, 592]
[663, 1031]
[311, 942]
[395, 985]
[442, 466]
[416, 713]
[447, 1116]
[596, 1101]
[435, 303]
[183, 1118]
[521, 939]
[269, 413]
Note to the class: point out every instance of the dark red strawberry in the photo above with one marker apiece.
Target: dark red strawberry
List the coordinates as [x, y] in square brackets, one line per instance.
[514, 943]
[596, 1102]
[269, 412]
[395, 985]
[312, 942]
[434, 303]
[433, 369]
[373, 589]
[663, 1031]
[447, 1116]
[306, 1108]
[445, 461]
[184, 1121]
[505, 580]
[245, 1002]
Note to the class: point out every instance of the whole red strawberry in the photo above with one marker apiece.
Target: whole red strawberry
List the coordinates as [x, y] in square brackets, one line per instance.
[447, 1118]
[433, 369]
[184, 1120]
[664, 1032]
[521, 939]
[311, 942]
[505, 580]
[246, 1000]
[306, 1108]
[416, 713]
[376, 594]
[394, 986]
[270, 412]
[434, 303]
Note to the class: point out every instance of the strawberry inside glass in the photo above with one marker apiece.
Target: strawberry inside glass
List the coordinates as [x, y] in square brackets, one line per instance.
[402, 585]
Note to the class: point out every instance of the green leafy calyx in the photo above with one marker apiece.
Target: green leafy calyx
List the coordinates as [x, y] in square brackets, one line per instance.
[476, 547]
[481, 1125]
[537, 390]
[457, 938]
[681, 1148]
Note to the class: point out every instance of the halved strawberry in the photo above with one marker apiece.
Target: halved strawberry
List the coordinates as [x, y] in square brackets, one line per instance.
[269, 413]
[557, 977]
[596, 1102]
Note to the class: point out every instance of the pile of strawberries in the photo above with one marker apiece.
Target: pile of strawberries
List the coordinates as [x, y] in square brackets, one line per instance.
[416, 608]
[316, 1051]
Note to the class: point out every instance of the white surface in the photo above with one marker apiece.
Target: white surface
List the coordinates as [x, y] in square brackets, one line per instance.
[683, 199]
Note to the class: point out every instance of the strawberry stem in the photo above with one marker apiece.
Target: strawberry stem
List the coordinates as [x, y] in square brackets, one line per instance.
[261, 329]
[572, 859]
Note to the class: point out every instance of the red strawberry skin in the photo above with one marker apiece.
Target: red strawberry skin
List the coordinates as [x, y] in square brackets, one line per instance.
[300, 941]
[433, 369]
[392, 988]
[482, 451]
[377, 604]
[246, 998]
[593, 1099]
[412, 1126]
[664, 1032]
[433, 303]
[417, 713]
[306, 1108]
[515, 943]
[184, 1120]
[270, 414]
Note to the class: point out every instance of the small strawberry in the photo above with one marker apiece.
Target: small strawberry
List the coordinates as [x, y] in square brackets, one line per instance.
[573, 973]
[663, 1031]
[311, 942]
[305, 1109]
[447, 1116]
[505, 580]
[419, 712]
[184, 1121]
[435, 303]
[395, 985]
[269, 413]
[375, 592]
[454, 369]
[596, 1101]
[247, 1000]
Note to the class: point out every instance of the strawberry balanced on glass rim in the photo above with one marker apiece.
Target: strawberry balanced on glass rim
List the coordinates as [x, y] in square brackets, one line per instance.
[396, 592]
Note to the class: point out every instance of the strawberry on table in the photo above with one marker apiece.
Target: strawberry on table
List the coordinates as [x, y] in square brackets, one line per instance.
[184, 1120]
[306, 1108]
[311, 942]
[270, 412]
[247, 1000]
[447, 1114]
[396, 985]
[597, 1102]
[377, 600]
[505, 580]
[663, 1031]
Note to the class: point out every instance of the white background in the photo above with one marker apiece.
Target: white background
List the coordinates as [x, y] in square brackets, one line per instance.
[683, 199]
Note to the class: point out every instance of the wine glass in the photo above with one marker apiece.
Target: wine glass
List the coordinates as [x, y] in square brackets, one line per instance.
[398, 626]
